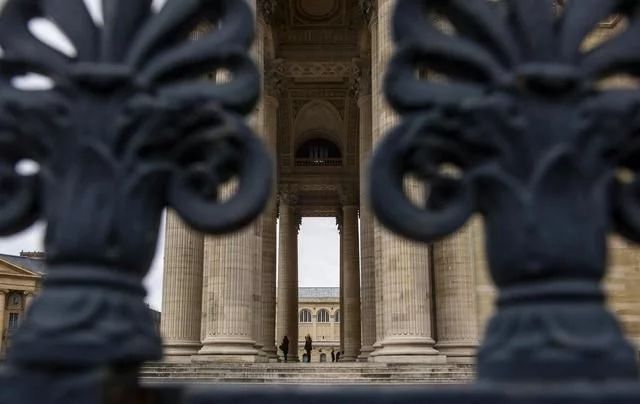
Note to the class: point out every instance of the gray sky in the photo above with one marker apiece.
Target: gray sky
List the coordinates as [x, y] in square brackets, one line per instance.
[318, 252]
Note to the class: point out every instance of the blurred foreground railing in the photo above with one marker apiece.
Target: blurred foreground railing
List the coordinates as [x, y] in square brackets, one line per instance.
[520, 131]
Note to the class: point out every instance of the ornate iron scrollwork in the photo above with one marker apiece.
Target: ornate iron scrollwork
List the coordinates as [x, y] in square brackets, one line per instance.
[128, 125]
[513, 123]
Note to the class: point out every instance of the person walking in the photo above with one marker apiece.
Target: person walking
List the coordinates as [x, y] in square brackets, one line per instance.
[284, 347]
[333, 355]
[308, 346]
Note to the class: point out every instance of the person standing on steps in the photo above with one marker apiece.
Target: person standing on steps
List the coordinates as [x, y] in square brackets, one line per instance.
[308, 346]
[333, 355]
[284, 347]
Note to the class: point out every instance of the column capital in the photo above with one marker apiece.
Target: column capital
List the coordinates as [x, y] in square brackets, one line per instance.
[361, 81]
[348, 195]
[267, 9]
[368, 8]
[288, 194]
[274, 79]
[4, 291]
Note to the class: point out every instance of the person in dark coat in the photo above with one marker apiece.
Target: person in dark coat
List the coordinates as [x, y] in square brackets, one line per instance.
[333, 355]
[284, 347]
[338, 357]
[308, 346]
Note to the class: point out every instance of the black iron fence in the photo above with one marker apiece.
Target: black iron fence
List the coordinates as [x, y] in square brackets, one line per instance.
[128, 128]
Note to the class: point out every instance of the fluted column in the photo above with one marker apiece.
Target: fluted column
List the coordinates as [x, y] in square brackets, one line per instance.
[456, 312]
[288, 274]
[351, 271]
[341, 299]
[182, 289]
[269, 234]
[229, 266]
[376, 83]
[257, 121]
[404, 265]
[367, 261]
[3, 302]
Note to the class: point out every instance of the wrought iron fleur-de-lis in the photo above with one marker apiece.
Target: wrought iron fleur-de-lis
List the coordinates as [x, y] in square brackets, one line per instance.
[129, 125]
[513, 120]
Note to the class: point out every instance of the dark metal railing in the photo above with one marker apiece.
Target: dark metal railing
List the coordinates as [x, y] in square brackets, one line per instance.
[128, 128]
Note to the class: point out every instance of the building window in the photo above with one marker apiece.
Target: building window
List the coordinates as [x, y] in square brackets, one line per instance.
[305, 316]
[323, 316]
[337, 316]
[14, 318]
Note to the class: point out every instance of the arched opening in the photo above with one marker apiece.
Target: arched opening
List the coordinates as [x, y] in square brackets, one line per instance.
[318, 152]
[305, 316]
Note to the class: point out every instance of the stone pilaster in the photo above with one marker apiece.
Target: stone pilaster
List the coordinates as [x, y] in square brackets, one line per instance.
[287, 322]
[403, 265]
[3, 307]
[269, 235]
[351, 277]
[455, 290]
[229, 266]
[367, 259]
[182, 289]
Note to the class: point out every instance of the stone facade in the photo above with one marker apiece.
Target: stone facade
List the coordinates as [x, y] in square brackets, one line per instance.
[319, 317]
[20, 279]
[322, 114]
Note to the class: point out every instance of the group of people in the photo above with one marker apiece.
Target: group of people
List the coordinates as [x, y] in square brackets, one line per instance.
[308, 347]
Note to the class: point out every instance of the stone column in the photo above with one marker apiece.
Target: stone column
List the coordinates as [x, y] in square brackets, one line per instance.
[287, 323]
[3, 302]
[182, 289]
[351, 277]
[229, 297]
[403, 265]
[456, 311]
[257, 121]
[376, 79]
[341, 301]
[269, 234]
[367, 260]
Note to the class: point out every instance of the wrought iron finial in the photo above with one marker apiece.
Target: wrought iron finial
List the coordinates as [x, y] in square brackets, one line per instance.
[128, 126]
[521, 131]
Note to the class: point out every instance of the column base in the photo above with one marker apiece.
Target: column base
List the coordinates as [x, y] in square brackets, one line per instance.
[228, 350]
[180, 352]
[365, 352]
[458, 353]
[409, 350]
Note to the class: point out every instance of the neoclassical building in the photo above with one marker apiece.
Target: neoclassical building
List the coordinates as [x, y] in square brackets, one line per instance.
[319, 317]
[20, 280]
[321, 114]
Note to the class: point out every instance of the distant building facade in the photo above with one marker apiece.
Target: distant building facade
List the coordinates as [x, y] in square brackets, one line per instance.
[20, 281]
[319, 317]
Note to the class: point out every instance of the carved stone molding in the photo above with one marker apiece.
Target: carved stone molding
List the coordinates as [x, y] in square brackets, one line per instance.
[317, 69]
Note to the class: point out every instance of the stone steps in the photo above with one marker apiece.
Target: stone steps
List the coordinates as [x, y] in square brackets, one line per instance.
[315, 374]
